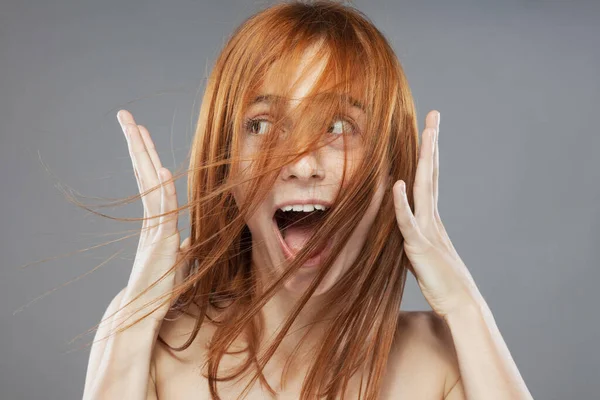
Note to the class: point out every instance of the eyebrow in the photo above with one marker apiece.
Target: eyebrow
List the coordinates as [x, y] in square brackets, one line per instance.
[270, 98]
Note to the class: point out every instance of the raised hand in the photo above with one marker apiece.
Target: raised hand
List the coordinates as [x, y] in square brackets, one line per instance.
[158, 247]
[443, 278]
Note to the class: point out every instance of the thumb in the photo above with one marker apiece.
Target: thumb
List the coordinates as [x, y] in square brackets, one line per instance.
[182, 272]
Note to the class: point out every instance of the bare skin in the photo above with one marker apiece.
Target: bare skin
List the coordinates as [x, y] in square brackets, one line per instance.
[454, 350]
[422, 363]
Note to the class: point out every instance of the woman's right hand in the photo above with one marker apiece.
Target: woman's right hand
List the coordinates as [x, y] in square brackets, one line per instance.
[158, 247]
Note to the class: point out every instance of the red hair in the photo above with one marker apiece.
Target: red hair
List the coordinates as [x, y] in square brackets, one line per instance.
[359, 65]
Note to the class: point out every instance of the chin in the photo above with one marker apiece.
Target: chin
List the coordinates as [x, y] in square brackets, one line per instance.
[301, 280]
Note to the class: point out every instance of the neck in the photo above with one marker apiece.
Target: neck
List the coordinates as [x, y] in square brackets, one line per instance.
[305, 332]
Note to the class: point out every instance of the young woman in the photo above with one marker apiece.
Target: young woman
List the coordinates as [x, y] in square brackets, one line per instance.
[310, 198]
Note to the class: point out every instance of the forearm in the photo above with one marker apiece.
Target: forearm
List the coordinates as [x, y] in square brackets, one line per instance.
[486, 366]
[124, 368]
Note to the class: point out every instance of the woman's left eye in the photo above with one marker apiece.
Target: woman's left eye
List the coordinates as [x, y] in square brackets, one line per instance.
[340, 127]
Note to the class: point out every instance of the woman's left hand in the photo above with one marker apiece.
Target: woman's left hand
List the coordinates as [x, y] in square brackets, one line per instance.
[442, 276]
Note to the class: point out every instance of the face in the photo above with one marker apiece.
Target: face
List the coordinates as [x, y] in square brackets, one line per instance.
[314, 176]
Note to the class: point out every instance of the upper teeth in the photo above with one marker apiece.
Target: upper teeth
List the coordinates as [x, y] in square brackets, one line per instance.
[304, 207]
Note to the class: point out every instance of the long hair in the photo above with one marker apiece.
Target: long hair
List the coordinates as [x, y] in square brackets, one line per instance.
[360, 69]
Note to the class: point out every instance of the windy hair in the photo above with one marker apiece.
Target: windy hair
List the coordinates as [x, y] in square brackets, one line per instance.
[363, 306]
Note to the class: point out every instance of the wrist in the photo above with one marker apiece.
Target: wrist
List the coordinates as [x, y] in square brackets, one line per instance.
[468, 311]
[141, 313]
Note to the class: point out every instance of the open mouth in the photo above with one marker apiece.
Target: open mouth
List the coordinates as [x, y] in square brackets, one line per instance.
[295, 228]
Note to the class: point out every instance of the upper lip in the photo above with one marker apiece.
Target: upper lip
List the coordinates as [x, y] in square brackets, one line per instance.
[298, 202]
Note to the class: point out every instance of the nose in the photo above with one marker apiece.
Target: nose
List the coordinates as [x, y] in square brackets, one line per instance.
[305, 169]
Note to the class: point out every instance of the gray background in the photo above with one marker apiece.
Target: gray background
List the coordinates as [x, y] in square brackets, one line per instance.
[515, 81]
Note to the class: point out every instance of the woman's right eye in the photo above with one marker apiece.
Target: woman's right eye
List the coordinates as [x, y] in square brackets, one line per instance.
[253, 126]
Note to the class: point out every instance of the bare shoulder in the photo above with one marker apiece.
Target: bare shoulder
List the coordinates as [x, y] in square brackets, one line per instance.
[177, 331]
[422, 362]
[178, 372]
[425, 330]
[423, 357]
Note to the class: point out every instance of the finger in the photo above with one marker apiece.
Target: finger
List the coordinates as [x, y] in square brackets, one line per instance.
[436, 165]
[436, 174]
[144, 170]
[184, 270]
[423, 187]
[413, 237]
[150, 147]
[124, 118]
[186, 243]
[168, 207]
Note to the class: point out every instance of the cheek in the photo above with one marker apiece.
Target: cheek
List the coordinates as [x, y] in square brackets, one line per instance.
[239, 190]
[335, 164]
[237, 195]
[375, 204]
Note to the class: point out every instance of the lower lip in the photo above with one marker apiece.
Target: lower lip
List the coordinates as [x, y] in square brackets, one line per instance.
[311, 262]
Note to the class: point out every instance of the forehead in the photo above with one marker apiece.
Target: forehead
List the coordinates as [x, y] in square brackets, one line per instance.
[304, 75]
[269, 98]
[303, 80]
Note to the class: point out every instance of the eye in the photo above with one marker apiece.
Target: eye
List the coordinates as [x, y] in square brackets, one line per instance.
[253, 126]
[341, 126]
